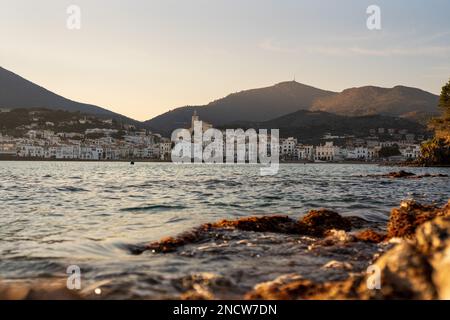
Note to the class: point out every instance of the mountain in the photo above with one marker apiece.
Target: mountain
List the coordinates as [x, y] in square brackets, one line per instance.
[17, 92]
[310, 126]
[397, 101]
[267, 103]
[250, 105]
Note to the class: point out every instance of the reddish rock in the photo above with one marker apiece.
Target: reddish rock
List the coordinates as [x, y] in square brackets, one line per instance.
[171, 244]
[400, 174]
[370, 235]
[404, 220]
[278, 224]
[317, 222]
[287, 287]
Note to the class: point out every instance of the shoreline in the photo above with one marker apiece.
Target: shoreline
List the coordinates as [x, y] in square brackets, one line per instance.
[381, 163]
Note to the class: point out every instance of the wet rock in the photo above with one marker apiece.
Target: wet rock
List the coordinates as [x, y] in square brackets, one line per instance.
[202, 286]
[37, 290]
[334, 264]
[295, 287]
[433, 240]
[370, 235]
[408, 175]
[405, 274]
[277, 224]
[400, 174]
[403, 221]
[415, 268]
[286, 287]
[171, 244]
[317, 222]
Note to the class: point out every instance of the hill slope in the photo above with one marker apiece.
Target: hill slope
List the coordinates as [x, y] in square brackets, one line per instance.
[310, 126]
[398, 101]
[250, 105]
[263, 104]
[17, 92]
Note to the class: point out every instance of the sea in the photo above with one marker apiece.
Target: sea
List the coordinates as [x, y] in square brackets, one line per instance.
[89, 214]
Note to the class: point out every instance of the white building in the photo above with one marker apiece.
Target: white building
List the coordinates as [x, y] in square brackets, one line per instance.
[165, 148]
[358, 153]
[288, 147]
[327, 152]
[31, 151]
[411, 152]
[305, 152]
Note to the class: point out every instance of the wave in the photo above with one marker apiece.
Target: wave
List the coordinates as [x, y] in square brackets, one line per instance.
[156, 207]
[71, 189]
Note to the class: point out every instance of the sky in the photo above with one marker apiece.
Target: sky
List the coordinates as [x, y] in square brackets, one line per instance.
[142, 58]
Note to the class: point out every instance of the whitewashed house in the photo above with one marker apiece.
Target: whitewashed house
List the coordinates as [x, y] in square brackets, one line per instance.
[327, 152]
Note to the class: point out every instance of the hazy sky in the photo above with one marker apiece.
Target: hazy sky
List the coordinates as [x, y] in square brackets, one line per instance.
[144, 57]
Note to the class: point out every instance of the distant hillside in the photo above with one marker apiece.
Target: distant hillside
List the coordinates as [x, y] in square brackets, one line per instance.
[249, 105]
[17, 92]
[310, 126]
[19, 121]
[271, 102]
[400, 101]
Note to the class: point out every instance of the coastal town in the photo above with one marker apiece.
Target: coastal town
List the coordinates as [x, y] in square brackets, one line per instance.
[105, 140]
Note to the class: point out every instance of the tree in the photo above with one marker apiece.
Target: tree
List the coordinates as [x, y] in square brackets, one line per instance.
[444, 101]
[441, 125]
[437, 150]
[386, 152]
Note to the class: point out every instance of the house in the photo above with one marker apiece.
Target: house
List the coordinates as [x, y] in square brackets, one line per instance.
[411, 152]
[358, 153]
[327, 152]
[305, 152]
[165, 148]
[288, 147]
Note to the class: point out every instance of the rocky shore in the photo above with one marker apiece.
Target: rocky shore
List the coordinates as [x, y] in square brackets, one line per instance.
[323, 255]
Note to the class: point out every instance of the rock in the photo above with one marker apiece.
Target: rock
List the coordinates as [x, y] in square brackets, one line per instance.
[334, 236]
[317, 222]
[171, 244]
[294, 287]
[408, 175]
[433, 240]
[405, 274]
[370, 235]
[400, 174]
[334, 264]
[285, 287]
[200, 286]
[404, 220]
[37, 290]
[278, 224]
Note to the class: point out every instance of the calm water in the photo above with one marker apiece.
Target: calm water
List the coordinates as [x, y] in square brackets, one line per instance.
[54, 214]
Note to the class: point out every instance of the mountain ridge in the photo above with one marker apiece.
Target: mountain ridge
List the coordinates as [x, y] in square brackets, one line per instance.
[311, 126]
[253, 105]
[267, 103]
[18, 92]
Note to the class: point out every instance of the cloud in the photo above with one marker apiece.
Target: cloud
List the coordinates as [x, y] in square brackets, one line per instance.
[400, 51]
[270, 45]
[429, 51]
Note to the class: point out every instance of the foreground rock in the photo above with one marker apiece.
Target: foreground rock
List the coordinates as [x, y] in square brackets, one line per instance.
[36, 290]
[416, 268]
[404, 220]
[317, 223]
[323, 255]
